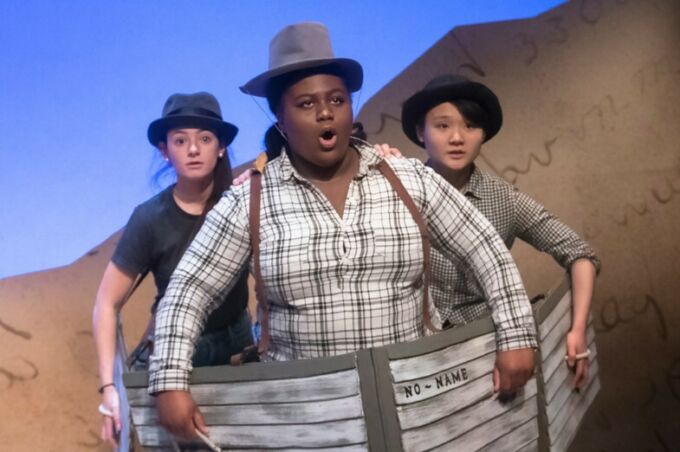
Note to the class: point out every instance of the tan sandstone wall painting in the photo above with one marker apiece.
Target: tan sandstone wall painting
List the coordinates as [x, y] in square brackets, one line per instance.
[591, 98]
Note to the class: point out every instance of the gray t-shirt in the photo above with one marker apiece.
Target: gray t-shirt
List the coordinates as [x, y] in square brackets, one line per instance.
[155, 239]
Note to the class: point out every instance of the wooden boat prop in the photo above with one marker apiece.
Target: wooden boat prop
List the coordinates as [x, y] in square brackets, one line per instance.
[434, 394]
[561, 408]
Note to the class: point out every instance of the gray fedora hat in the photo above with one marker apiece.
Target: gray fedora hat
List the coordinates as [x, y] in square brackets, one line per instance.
[199, 110]
[303, 46]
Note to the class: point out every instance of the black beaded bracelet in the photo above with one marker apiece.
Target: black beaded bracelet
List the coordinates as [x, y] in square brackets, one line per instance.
[102, 387]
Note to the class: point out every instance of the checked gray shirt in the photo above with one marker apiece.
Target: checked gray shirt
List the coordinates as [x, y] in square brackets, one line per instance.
[456, 292]
[335, 284]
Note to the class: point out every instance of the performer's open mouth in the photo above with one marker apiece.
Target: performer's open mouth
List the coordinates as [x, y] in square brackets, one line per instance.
[328, 139]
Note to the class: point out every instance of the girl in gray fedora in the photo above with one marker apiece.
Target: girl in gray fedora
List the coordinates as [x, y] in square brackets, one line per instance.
[341, 256]
[192, 138]
[451, 117]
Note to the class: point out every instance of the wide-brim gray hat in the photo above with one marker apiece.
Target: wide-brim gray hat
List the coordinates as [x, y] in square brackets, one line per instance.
[303, 46]
[198, 110]
[446, 88]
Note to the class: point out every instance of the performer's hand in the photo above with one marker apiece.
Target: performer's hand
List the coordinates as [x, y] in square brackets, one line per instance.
[180, 415]
[242, 178]
[111, 424]
[512, 371]
[386, 151]
[576, 344]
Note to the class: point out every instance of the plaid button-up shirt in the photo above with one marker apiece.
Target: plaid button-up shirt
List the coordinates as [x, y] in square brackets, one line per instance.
[456, 292]
[334, 284]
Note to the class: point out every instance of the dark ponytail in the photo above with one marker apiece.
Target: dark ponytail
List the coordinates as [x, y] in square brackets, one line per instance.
[222, 180]
[273, 142]
[358, 131]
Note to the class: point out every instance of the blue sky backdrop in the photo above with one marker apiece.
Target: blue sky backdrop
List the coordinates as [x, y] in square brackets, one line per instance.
[82, 79]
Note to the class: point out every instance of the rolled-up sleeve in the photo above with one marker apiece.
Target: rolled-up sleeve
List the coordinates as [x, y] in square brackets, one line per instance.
[461, 233]
[545, 232]
[209, 268]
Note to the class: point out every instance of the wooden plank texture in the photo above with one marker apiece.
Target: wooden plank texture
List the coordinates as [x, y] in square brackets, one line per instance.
[441, 340]
[125, 438]
[272, 413]
[428, 396]
[565, 392]
[466, 422]
[556, 358]
[329, 434]
[543, 308]
[566, 436]
[431, 363]
[322, 387]
[562, 372]
[563, 308]
[487, 432]
[423, 388]
[572, 406]
[515, 440]
[273, 370]
[531, 446]
[429, 411]
[556, 335]
[351, 448]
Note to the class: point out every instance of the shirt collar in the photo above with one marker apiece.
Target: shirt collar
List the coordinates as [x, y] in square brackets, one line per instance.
[368, 158]
[474, 185]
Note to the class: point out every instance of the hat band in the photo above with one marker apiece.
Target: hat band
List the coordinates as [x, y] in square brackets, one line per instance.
[194, 111]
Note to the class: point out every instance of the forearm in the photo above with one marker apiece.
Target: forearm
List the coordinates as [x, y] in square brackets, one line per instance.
[104, 324]
[582, 284]
[114, 286]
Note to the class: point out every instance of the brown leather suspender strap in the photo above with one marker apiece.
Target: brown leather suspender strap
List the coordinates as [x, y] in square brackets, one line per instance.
[254, 220]
[398, 187]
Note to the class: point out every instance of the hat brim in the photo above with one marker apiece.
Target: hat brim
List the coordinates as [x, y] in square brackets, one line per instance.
[352, 71]
[158, 129]
[417, 106]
